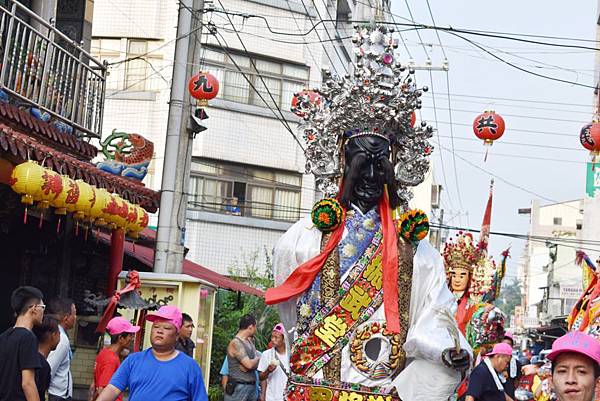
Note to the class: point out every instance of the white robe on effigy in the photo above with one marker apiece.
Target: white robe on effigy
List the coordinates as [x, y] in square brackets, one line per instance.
[425, 377]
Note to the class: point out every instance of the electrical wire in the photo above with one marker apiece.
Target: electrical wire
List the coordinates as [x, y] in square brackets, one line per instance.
[412, 19]
[482, 48]
[303, 38]
[332, 64]
[449, 104]
[436, 32]
[443, 168]
[337, 34]
[457, 33]
[507, 182]
[418, 26]
[283, 120]
[398, 31]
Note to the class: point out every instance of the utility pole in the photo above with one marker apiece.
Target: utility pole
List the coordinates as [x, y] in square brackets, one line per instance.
[178, 145]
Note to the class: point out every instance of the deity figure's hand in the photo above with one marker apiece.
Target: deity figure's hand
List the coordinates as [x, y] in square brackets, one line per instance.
[460, 360]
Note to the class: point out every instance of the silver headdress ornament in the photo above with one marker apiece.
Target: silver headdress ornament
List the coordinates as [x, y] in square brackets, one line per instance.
[378, 99]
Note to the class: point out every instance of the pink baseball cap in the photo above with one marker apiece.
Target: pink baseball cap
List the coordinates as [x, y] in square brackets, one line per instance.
[279, 328]
[168, 313]
[578, 342]
[501, 349]
[119, 325]
[508, 334]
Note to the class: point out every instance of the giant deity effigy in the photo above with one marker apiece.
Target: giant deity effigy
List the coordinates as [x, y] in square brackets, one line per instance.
[363, 289]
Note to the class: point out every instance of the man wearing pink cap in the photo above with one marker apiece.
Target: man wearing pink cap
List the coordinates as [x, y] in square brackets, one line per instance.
[513, 370]
[484, 382]
[274, 365]
[575, 366]
[160, 372]
[108, 361]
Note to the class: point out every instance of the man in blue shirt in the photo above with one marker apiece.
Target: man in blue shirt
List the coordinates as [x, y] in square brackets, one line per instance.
[161, 372]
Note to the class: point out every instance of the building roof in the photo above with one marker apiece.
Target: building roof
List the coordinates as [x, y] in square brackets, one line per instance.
[45, 132]
[146, 255]
[26, 138]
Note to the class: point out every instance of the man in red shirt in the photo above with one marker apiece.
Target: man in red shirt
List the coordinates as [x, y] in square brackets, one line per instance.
[108, 361]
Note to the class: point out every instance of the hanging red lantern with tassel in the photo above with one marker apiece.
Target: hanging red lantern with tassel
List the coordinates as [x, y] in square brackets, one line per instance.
[488, 126]
[203, 86]
[589, 137]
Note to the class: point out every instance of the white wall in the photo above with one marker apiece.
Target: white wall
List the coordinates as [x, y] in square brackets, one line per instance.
[234, 136]
[565, 272]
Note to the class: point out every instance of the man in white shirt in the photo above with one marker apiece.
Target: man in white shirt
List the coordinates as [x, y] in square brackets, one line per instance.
[274, 366]
[61, 380]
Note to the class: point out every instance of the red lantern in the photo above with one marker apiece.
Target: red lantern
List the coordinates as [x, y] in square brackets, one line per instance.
[488, 126]
[413, 119]
[303, 100]
[587, 140]
[203, 86]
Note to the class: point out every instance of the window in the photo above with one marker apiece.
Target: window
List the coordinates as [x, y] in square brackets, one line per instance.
[244, 190]
[558, 221]
[137, 70]
[108, 50]
[133, 75]
[281, 79]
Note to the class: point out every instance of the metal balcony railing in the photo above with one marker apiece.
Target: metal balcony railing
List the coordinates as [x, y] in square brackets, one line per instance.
[43, 67]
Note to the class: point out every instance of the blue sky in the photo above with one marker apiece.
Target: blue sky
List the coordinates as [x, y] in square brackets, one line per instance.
[475, 74]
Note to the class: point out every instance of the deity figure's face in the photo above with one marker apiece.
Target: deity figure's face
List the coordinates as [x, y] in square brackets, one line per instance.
[459, 280]
[368, 169]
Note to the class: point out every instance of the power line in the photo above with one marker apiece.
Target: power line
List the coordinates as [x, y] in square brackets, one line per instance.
[436, 32]
[399, 31]
[303, 39]
[482, 48]
[412, 19]
[441, 153]
[452, 138]
[333, 44]
[455, 32]
[262, 80]
[418, 26]
[332, 64]
[282, 121]
[449, 105]
[546, 159]
[503, 142]
[507, 182]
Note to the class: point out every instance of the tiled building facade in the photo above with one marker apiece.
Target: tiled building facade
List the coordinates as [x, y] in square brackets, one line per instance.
[247, 184]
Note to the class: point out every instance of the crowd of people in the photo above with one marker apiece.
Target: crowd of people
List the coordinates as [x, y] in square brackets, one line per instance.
[35, 361]
[248, 375]
[570, 372]
[35, 355]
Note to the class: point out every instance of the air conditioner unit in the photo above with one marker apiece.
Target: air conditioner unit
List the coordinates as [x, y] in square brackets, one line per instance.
[435, 196]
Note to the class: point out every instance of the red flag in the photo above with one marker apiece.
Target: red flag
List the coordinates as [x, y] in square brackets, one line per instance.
[484, 235]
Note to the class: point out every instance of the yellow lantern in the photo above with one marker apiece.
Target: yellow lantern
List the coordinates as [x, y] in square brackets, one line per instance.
[26, 179]
[115, 212]
[142, 218]
[131, 217]
[67, 199]
[52, 186]
[86, 200]
[101, 198]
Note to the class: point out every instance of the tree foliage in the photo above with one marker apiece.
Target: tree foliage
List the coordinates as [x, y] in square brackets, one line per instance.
[231, 306]
[510, 296]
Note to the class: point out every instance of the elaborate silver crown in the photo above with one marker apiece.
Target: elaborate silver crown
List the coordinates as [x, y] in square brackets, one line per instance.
[378, 98]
